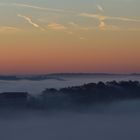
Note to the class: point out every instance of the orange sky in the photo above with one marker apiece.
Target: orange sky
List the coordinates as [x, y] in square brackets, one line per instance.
[38, 52]
[45, 37]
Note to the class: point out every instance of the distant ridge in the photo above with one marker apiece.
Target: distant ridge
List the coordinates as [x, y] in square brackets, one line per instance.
[83, 74]
[57, 76]
[52, 74]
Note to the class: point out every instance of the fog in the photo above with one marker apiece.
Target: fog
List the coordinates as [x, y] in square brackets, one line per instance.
[118, 120]
[36, 87]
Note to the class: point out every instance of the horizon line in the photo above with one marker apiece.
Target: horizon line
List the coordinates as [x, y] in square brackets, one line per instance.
[70, 73]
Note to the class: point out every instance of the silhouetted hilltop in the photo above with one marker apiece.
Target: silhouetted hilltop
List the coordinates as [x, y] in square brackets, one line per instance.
[92, 93]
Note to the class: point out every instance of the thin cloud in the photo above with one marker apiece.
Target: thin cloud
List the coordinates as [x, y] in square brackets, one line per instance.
[100, 17]
[29, 20]
[40, 8]
[9, 29]
[74, 25]
[77, 26]
[103, 25]
[123, 19]
[100, 8]
[56, 26]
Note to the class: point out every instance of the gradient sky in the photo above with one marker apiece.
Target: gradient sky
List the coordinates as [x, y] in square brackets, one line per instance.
[52, 36]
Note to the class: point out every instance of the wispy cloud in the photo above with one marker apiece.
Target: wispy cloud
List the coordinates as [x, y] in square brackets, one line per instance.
[29, 20]
[100, 8]
[56, 26]
[9, 29]
[40, 8]
[123, 19]
[100, 17]
[77, 26]
[103, 25]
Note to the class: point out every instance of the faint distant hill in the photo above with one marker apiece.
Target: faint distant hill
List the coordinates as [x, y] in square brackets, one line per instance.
[83, 74]
[9, 77]
[29, 77]
[57, 76]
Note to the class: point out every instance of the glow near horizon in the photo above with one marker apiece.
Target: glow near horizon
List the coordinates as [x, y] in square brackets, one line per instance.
[49, 36]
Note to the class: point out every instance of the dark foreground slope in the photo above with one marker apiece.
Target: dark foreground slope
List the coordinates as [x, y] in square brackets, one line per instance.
[72, 97]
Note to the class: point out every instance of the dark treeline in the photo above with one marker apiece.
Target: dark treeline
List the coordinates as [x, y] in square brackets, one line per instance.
[72, 97]
[92, 93]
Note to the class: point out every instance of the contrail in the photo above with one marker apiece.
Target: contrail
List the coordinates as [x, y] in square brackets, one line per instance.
[29, 20]
[100, 17]
[123, 19]
[40, 8]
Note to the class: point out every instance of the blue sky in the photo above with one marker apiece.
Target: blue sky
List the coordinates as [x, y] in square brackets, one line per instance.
[117, 8]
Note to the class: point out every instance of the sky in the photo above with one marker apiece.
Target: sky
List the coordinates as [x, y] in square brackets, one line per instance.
[56, 36]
